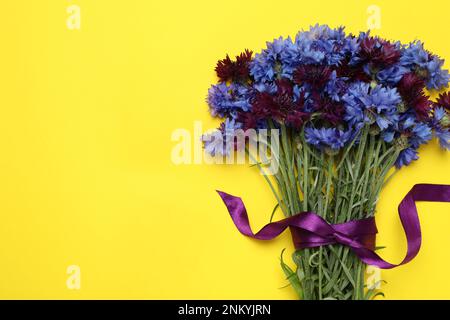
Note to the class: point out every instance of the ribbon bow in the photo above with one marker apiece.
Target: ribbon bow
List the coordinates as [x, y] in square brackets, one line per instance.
[310, 230]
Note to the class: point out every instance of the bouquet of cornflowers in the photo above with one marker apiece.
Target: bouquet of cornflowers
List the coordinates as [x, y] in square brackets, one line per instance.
[348, 109]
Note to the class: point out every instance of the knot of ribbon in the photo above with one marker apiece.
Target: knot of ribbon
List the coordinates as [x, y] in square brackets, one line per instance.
[313, 231]
[310, 230]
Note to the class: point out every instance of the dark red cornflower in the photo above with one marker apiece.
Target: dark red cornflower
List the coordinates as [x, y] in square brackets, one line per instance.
[315, 75]
[281, 105]
[410, 82]
[275, 106]
[228, 70]
[353, 73]
[330, 111]
[265, 107]
[285, 87]
[443, 101]
[380, 53]
[244, 58]
[225, 68]
[422, 105]
[296, 118]
[411, 88]
[248, 119]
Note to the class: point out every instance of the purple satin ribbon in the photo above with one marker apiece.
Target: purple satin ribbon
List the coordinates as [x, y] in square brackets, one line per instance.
[310, 230]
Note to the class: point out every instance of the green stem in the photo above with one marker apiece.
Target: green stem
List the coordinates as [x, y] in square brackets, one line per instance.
[272, 188]
[329, 181]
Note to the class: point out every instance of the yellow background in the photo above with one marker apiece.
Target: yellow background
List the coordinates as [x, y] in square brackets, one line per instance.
[86, 176]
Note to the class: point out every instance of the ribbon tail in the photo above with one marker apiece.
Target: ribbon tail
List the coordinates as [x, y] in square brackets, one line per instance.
[239, 215]
[409, 218]
[317, 231]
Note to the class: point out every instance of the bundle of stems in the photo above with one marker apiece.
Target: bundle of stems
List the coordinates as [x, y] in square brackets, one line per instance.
[339, 187]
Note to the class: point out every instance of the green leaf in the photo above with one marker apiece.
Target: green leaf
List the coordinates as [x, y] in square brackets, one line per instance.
[273, 211]
[291, 276]
[372, 293]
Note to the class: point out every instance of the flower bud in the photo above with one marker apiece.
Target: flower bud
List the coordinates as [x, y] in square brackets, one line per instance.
[373, 84]
[422, 73]
[278, 68]
[401, 143]
[298, 143]
[374, 130]
[401, 107]
[445, 121]
[370, 116]
[331, 152]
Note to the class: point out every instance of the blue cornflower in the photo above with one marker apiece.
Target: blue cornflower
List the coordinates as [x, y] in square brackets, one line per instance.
[414, 55]
[228, 99]
[410, 135]
[444, 138]
[301, 52]
[418, 134]
[330, 139]
[323, 32]
[323, 45]
[300, 92]
[274, 61]
[364, 104]
[221, 141]
[439, 114]
[269, 87]
[392, 75]
[441, 126]
[309, 53]
[438, 78]
[410, 130]
[421, 133]
[388, 135]
[426, 65]
[336, 86]
[406, 156]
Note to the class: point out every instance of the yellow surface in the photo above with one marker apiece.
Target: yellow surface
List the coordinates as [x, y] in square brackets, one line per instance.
[86, 177]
